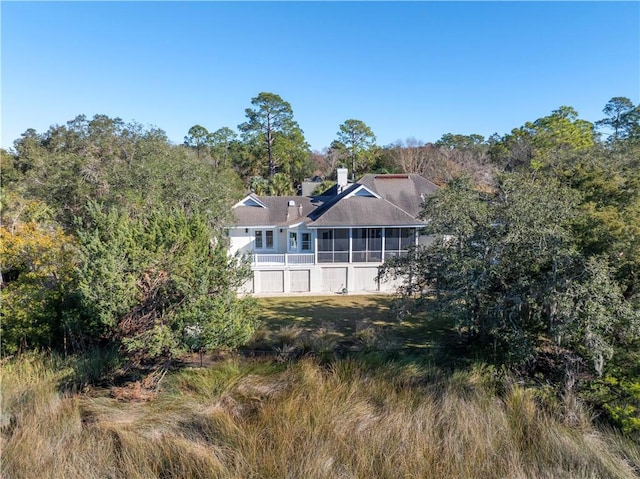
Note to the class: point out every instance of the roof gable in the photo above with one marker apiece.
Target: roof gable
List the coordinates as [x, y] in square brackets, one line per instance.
[362, 191]
[255, 211]
[250, 200]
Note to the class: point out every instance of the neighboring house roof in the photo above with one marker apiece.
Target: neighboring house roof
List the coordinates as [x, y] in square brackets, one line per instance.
[375, 200]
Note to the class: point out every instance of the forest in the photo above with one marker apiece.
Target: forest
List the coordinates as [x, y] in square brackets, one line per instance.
[113, 243]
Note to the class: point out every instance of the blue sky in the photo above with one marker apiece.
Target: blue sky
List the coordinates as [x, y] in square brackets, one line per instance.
[413, 69]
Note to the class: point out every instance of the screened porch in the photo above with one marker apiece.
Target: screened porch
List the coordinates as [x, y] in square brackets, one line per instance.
[363, 245]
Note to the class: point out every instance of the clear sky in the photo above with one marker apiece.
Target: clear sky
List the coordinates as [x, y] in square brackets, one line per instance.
[414, 69]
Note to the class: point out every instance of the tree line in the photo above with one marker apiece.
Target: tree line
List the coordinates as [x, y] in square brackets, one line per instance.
[271, 156]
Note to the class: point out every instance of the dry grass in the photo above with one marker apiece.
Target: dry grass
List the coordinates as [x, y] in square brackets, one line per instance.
[348, 419]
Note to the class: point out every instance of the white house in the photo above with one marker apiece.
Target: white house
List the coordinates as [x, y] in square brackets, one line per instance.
[332, 242]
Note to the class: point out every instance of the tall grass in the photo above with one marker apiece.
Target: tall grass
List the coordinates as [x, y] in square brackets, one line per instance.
[241, 419]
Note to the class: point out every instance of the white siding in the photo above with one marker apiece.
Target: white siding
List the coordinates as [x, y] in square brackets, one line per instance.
[425, 240]
[240, 241]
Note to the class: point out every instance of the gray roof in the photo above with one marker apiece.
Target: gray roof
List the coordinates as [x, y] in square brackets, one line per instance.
[277, 211]
[359, 211]
[406, 191]
[399, 204]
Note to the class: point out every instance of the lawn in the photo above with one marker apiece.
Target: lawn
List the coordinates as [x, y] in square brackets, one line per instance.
[344, 322]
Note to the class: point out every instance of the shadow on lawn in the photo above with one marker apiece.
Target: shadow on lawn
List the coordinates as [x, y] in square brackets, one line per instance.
[350, 324]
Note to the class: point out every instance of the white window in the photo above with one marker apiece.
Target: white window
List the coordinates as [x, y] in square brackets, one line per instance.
[293, 241]
[264, 239]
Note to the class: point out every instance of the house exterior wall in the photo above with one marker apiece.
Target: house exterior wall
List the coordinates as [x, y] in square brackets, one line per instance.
[239, 241]
[313, 278]
[280, 238]
[318, 279]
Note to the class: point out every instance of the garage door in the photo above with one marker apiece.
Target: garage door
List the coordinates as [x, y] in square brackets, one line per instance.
[299, 281]
[364, 279]
[334, 279]
[271, 281]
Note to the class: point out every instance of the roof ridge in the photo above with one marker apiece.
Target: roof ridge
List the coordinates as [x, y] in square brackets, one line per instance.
[334, 199]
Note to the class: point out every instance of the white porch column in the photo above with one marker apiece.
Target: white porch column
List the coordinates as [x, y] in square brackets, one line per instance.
[351, 279]
[286, 277]
[315, 246]
[257, 287]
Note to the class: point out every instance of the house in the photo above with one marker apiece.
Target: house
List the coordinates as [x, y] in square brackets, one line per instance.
[330, 243]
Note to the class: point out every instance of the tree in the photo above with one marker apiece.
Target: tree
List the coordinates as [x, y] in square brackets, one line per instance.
[296, 164]
[450, 157]
[413, 156]
[198, 138]
[268, 126]
[608, 180]
[280, 185]
[9, 172]
[462, 142]
[358, 142]
[165, 205]
[221, 142]
[155, 281]
[506, 265]
[623, 117]
[543, 142]
[38, 277]
[121, 165]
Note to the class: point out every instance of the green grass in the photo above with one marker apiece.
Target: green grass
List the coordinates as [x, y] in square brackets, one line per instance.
[351, 322]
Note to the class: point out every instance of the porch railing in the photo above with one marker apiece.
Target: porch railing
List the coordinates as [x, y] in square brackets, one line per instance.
[283, 259]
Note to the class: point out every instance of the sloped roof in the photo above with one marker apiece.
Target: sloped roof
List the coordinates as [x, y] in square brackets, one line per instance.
[362, 211]
[406, 191]
[277, 211]
[400, 202]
